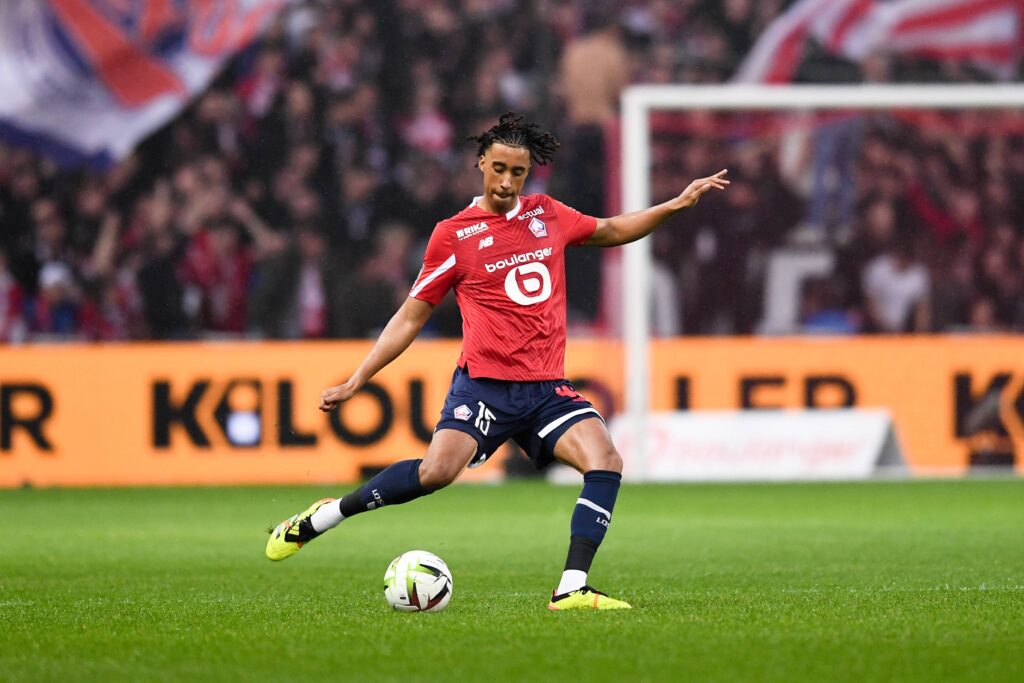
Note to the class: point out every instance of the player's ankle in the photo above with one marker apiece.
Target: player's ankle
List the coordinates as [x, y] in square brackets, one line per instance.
[327, 516]
[306, 532]
[572, 580]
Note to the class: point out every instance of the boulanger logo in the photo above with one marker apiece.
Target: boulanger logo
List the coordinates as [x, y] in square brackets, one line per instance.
[529, 284]
[512, 261]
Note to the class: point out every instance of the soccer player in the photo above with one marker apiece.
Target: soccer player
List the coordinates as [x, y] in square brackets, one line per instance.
[504, 257]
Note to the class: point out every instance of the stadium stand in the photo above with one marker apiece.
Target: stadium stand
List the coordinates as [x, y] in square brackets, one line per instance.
[293, 199]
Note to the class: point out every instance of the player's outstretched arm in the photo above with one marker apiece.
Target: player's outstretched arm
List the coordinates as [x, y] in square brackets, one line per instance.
[629, 227]
[395, 339]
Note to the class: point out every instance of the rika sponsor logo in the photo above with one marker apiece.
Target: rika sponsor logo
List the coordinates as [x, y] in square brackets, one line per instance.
[539, 211]
[486, 242]
[538, 228]
[462, 413]
[511, 261]
[475, 229]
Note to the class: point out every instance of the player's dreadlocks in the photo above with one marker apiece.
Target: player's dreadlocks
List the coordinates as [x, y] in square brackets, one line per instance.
[513, 131]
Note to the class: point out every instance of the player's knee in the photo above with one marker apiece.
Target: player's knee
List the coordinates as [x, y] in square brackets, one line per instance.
[436, 475]
[608, 460]
[614, 461]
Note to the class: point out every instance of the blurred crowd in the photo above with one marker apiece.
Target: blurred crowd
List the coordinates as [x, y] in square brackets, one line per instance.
[914, 214]
[293, 199]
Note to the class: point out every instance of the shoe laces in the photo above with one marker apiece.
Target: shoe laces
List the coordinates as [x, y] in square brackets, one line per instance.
[583, 589]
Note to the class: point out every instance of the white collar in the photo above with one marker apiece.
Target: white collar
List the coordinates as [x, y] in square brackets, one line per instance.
[508, 216]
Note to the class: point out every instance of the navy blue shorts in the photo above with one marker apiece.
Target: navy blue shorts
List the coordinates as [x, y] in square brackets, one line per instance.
[533, 414]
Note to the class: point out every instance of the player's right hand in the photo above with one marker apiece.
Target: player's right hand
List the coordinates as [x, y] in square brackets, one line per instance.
[334, 396]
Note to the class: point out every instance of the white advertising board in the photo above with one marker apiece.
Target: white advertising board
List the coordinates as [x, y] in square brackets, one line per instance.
[756, 446]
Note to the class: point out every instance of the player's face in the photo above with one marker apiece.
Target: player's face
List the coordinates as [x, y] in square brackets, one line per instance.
[505, 169]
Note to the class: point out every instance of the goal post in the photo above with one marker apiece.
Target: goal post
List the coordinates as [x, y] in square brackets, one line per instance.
[638, 102]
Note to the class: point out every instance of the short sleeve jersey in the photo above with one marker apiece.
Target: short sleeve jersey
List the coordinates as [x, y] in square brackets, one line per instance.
[508, 273]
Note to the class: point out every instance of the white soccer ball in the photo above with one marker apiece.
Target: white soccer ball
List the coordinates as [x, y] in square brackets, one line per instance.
[418, 581]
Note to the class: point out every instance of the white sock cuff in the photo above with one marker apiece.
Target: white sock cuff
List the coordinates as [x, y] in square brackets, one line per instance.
[572, 580]
[327, 516]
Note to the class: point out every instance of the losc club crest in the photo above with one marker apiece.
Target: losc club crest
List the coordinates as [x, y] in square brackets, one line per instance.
[462, 413]
[538, 228]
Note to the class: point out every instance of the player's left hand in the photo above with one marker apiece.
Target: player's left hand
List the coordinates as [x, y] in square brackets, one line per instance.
[695, 190]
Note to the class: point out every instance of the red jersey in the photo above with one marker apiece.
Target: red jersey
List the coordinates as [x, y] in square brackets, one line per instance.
[508, 273]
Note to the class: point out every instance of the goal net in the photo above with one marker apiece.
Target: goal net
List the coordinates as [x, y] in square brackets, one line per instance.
[817, 171]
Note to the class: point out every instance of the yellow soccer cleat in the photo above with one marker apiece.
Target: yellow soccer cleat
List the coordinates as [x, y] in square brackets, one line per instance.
[585, 598]
[290, 535]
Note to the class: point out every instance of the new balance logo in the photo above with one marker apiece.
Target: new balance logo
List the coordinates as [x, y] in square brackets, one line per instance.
[486, 242]
[476, 229]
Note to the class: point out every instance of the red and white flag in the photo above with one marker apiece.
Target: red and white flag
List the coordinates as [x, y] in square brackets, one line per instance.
[987, 33]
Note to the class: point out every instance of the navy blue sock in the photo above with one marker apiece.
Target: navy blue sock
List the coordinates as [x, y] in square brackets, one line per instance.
[396, 484]
[591, 517]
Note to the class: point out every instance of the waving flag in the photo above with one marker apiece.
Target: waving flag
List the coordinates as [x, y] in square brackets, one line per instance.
[86, 80]
[987, 33]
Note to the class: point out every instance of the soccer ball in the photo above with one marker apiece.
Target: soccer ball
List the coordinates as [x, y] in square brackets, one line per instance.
[418, 581]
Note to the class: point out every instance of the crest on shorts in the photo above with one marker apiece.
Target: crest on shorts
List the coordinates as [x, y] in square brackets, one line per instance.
[462, 413]
[538, 228]
[568, 391]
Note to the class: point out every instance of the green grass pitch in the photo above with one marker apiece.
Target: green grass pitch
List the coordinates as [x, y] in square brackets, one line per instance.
[894, 581]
